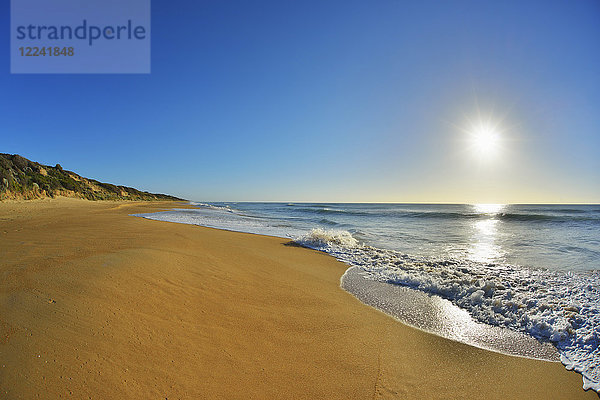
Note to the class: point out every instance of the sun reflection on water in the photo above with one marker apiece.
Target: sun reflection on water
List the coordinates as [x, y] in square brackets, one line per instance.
[488, 208]
[484, 245]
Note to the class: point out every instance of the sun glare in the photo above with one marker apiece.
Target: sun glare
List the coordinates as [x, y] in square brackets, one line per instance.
[484, 139]
[488, 208]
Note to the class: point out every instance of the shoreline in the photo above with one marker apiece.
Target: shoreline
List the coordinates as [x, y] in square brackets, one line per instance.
[144, 308]
[437, 316]
[429, 313]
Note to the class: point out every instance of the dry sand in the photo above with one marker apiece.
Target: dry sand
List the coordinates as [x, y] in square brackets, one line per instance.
[97, 304]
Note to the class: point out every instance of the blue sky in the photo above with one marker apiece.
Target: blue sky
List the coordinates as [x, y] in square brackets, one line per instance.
[332, 101]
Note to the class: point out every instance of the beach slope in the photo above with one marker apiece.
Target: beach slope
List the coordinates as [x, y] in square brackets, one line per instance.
[98, 304]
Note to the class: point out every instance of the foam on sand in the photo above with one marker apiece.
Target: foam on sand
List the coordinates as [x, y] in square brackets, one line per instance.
[439, 316]
[558, 307]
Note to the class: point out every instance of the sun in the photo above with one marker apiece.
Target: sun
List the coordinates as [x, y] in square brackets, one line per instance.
[485, 136]
[484, 139]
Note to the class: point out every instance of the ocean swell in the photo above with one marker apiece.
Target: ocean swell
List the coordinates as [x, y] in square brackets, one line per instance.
[537, 215]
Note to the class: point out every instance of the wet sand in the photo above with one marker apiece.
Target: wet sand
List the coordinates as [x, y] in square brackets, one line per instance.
[439, 316]
[97, 304]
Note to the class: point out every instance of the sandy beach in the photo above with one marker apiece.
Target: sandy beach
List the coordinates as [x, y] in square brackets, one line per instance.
[98, 304]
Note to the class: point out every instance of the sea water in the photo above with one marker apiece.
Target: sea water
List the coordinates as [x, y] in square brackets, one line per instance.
[533, 269]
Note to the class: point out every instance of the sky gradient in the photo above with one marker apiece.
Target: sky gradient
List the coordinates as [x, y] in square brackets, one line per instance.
[332, 101]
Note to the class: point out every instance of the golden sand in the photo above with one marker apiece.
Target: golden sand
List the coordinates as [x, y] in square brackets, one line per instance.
[98, 304]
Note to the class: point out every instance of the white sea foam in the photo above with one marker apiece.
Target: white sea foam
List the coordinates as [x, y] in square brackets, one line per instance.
[322, 238]
[212, 207]
[224, 218]
[563, 308]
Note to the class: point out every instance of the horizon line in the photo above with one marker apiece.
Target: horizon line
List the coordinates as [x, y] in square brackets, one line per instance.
[394, 202]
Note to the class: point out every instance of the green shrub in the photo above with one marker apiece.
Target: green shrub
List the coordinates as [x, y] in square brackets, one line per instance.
[20, 162]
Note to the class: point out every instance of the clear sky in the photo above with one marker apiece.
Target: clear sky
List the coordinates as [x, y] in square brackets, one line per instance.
[333, 101]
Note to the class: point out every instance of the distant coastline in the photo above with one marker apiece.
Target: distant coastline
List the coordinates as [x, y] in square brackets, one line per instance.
[23, 179]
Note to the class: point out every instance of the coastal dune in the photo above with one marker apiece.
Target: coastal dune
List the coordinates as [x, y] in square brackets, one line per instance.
[95, 303]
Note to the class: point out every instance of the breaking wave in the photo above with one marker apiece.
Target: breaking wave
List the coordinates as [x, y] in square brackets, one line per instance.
[212, 207]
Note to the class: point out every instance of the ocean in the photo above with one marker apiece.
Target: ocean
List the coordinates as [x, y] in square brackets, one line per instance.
[495, 270]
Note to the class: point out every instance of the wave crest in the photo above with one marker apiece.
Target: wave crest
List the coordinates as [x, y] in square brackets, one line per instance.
[212, 207]
[321, 239]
